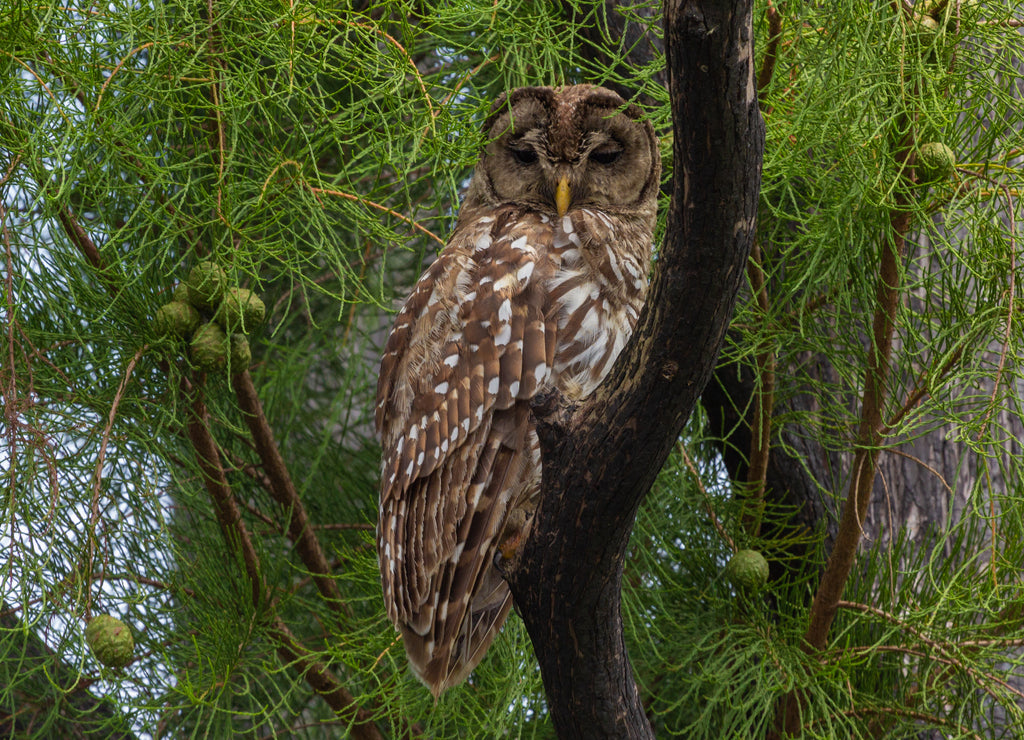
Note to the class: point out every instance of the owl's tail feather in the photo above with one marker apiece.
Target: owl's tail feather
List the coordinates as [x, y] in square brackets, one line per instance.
[440, 668]
[473, 599]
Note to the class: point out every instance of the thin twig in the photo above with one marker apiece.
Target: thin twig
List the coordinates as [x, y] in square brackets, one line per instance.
[707, 499]
[80, 238]
[145, 581]
[921, 386]
[764, 401]
[324, 683]
[336, 526]
[457, 87]
[117, 68]
[9, 387]
[926, 466]
[42, 84]
[94, 508]
[378, 206]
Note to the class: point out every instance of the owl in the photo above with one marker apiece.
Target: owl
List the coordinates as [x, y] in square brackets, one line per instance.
[538, 288]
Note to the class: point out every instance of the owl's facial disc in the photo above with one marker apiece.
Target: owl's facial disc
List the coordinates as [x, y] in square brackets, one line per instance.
[556, 149]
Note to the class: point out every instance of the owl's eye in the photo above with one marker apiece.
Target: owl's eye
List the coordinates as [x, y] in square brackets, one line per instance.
[606, 155]
[523, 154]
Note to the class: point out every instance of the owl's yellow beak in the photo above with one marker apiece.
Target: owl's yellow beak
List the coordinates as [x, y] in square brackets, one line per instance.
[563, 195]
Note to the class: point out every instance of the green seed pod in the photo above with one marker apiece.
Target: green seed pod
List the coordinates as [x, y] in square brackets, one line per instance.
[110, 640]
[240, 310]
[928, 36]
[180, 293]
[747, 571]
[175, 320]
[944, 12]
[206, 283]
[240, 355]
[935, 162]
[926, 26]
[209, 348]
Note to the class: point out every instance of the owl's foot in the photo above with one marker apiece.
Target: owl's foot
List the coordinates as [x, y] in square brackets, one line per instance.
[506, 551]
[510, 545]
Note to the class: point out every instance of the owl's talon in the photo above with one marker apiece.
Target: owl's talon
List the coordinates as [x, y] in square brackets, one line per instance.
[499, 562]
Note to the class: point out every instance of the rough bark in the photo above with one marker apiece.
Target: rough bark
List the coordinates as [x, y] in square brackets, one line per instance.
[601, 458]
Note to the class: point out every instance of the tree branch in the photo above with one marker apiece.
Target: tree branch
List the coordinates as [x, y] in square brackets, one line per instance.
[319, 678]
[283, 490]
[869, 434]
[601, 458]
[324, 683]
[236, 534]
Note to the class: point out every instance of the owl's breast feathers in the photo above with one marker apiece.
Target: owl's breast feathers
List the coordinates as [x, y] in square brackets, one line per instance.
[516, 302]
[513, 302]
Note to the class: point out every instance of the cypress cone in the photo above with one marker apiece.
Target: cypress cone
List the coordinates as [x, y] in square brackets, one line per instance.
[110, 640]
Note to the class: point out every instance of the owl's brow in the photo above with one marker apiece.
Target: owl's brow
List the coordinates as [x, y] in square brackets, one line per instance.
[593, 138]
[533, 135]
[543, 95]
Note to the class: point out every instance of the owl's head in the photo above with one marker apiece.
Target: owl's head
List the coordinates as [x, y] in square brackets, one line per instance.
[557, 149]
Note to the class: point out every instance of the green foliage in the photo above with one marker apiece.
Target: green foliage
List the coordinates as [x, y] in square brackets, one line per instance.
[315, 153]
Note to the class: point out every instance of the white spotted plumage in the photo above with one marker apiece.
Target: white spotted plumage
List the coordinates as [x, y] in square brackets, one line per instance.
[522, 298]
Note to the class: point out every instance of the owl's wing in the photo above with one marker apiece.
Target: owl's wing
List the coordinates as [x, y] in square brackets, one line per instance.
[468, 350]
[471, 337]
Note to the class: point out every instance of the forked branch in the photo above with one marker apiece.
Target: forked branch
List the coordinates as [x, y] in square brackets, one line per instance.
[601, 458]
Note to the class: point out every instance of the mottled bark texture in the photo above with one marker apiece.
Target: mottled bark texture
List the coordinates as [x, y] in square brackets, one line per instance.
[601, 457]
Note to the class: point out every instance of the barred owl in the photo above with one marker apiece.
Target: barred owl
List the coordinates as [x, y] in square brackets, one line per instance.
[539, 287]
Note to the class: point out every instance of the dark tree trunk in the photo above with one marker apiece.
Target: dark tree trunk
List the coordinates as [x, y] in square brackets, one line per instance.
[919, 489]
[602, 457]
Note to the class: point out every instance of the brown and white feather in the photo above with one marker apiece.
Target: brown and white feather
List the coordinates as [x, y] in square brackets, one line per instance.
[521, 299]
